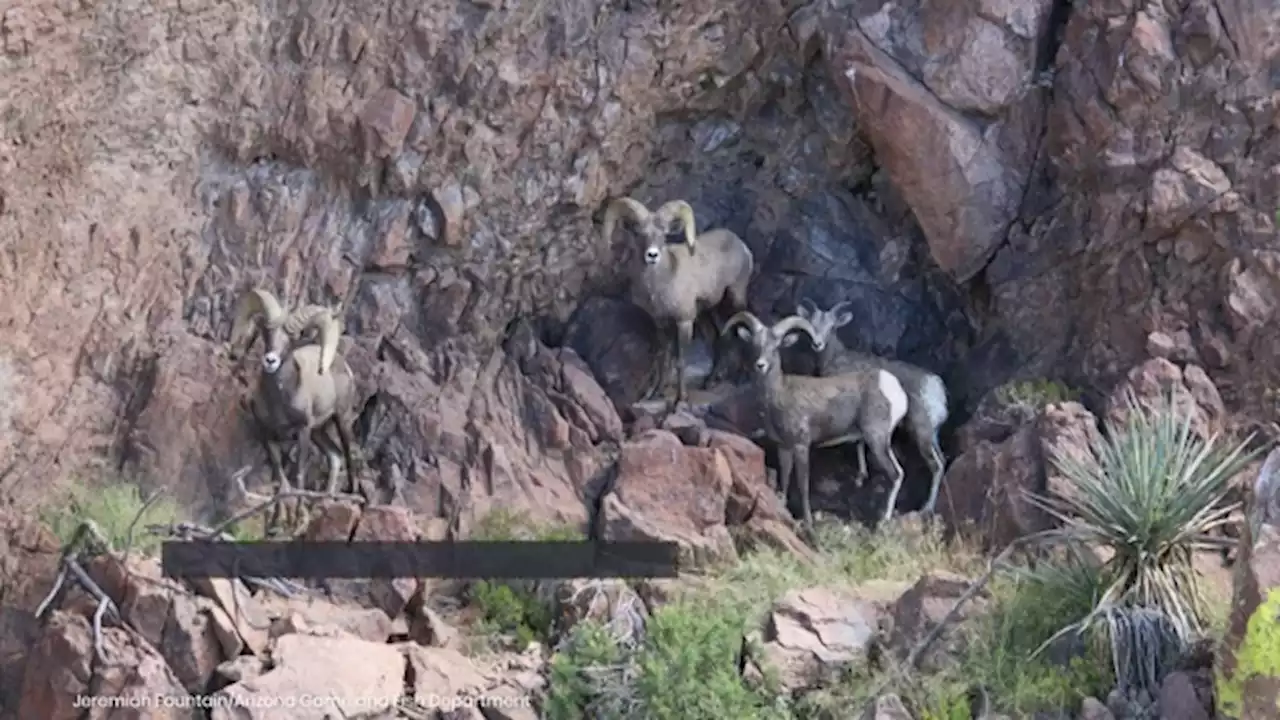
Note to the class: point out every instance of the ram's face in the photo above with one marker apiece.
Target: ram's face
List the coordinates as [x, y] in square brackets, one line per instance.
[654, 230]
[825, 322]
[766, 347]
[276, 342]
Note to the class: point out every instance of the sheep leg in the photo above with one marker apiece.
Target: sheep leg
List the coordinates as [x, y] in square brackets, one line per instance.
[927, 442]
[784, 473]
[281, 482]
[304, 451]
[802, 478]
[664, 362]
[344, 437]
[332, 453]
[881, 445]
[684, 337]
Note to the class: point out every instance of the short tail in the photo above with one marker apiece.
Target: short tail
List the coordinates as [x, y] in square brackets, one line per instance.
[933, 394]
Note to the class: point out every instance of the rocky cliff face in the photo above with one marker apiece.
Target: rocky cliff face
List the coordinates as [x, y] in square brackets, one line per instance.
[1000, 187]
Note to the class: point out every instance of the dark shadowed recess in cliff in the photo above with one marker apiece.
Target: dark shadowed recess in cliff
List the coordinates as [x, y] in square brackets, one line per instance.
[793, 179]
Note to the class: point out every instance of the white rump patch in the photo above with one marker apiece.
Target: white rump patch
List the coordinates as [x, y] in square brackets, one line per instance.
[933, 393]
[897, 397]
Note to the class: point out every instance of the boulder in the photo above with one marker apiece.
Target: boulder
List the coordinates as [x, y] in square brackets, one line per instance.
[315, 677]
[134, 685]
[665, 491]
[813, 635]
[1006, 453]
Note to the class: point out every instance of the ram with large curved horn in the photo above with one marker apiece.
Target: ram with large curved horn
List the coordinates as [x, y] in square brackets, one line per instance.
[802, 411]
[926, 392]
[304, 388]
[672, 282]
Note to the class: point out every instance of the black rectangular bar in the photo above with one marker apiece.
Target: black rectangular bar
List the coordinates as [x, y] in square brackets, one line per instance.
[453, 560]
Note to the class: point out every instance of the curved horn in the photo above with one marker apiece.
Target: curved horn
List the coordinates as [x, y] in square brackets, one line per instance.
[330, 334]
[840, 306]
[619, 207]
[742, 317]
[795, 322]
[682, 211]
[304, 317]
[255, 302]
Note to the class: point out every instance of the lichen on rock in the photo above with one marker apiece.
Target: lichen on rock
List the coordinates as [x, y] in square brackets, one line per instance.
[1256, 675]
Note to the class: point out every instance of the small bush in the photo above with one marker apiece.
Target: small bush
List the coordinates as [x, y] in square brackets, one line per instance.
[689, 668]
[251, 529]
[513, 610]
[521, 609]
[505, 525]
[685, 669]
[1006, 649]
[581, 680]
[1035, 394]
[112, 507]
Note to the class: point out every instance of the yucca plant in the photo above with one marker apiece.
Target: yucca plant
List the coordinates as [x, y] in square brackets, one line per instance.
[1154, 497]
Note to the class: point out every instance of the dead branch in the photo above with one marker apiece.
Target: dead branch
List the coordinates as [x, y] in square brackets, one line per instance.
[917, 652]
[913, 660]
[57, 585]
[87, 540]
[265, 502]
[192, 531]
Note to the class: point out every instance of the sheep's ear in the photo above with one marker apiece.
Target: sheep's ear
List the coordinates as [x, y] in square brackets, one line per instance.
[744, 332]
[790, 339]
[844, 318]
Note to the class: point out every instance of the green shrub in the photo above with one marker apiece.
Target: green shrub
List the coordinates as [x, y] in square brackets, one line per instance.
[689, 668]
[505, 525]
[685, 669]
[251, 529]
[586, 678]
[1006, 649]
[510, 609]
[112, 507]
[521, 609]
[1154, 498]
[1035, 394]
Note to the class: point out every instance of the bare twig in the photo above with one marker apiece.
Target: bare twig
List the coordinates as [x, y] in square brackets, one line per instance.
[103, 604]
[265, 502]
[917, 652]
[57, 585]
[188, 531]
[86, 534]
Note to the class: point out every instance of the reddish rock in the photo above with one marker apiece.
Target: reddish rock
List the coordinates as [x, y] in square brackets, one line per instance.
[666, 491]
[59, 669]
[387, 118]
[29, 556]
[985, 488]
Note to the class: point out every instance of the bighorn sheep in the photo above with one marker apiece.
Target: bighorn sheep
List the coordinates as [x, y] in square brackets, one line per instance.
[675, 282]
[801, 411]
[926, 393]
[302, 388]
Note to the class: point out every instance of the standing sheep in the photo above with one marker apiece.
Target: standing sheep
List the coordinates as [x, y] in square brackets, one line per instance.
[802, 411]
[303, 389]
[676, 282]
[926, 392]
